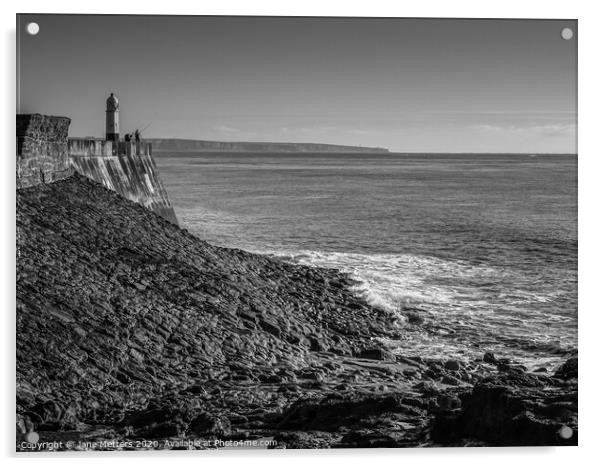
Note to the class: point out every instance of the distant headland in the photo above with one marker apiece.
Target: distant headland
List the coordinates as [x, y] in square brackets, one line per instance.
[193, 145]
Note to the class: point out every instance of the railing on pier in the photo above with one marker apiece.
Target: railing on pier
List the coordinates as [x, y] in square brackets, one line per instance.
[101, 147]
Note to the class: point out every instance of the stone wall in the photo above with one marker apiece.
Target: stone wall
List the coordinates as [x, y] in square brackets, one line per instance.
[42, 149]
[46, 154]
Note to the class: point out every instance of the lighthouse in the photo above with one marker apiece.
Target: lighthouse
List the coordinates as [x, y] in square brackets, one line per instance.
[112, 132]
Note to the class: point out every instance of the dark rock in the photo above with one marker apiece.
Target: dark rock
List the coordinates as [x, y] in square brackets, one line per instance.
[568, 370]
[289, 388]
[303, 440]
[427, 387]
[196, 389]
[489, 358]
[415, 362]
[156, 423]
[270, 327]
[379, 354]
[506, 367]
[271, 378]
[512, 409]
[452, 365]
[449, 380]
[332, 412]
[359, 439]
[431, 374]
[414, 318]
[447, 402]
[298, 339]
[316, 343]
[209, 424]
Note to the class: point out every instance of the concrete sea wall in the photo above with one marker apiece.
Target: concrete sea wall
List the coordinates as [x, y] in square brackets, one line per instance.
[46, 154]
[134, 175]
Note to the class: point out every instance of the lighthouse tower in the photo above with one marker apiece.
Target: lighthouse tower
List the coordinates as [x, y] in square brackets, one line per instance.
[112, 132]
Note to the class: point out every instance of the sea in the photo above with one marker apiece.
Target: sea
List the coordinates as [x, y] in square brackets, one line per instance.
[483, 247]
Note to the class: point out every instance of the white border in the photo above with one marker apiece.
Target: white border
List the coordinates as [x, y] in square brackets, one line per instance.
[590, 110]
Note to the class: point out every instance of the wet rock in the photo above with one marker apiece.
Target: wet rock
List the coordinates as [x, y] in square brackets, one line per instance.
[414, 318]
[507, 367]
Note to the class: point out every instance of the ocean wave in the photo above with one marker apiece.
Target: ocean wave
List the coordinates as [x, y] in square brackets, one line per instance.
[394, 281]
[464, 309]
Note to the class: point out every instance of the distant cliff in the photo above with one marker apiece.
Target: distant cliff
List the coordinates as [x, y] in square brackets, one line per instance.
[192, 145]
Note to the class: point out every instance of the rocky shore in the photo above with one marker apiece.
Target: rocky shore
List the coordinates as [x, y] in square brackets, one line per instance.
[130, 329]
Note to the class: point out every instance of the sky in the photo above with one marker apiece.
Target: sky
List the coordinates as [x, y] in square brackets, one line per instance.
[410, 85]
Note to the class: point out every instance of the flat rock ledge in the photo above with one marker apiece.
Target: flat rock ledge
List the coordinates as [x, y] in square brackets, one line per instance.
[133, 333]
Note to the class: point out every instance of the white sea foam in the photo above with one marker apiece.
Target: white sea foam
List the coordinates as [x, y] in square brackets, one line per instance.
[391, 281]
[466, 308]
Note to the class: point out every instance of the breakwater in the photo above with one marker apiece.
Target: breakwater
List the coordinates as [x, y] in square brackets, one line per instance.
[45, 154]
